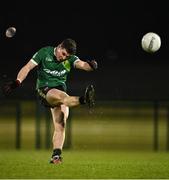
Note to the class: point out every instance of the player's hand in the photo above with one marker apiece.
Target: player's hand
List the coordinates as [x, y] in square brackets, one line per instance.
[93, 64]
[9, 86]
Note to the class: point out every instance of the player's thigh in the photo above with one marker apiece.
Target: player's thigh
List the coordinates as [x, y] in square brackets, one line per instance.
[55, 96]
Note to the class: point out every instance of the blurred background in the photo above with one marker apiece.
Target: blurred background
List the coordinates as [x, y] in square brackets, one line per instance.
[131, 85]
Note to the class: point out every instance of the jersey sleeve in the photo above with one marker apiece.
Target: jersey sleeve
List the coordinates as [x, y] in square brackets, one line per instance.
[37, 57]
[73, 59]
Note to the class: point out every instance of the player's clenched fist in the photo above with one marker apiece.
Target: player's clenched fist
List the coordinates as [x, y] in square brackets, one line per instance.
[9, 86]
[93, 64]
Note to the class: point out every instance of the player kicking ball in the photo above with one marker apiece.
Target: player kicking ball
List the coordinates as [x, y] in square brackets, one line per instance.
[54, 64]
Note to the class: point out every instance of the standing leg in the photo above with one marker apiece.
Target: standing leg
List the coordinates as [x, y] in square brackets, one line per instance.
[59, 116]
[61, 101]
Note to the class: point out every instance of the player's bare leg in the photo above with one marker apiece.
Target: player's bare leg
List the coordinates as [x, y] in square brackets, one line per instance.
[61, 101]
[59, 116]
[56, 97]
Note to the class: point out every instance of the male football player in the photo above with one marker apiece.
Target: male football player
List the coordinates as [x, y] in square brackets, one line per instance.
[54, 64]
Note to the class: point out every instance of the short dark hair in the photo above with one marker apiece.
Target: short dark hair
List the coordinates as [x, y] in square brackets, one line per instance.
[69, 45]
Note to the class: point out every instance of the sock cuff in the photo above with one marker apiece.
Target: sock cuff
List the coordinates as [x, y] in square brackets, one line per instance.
[57, 152]
[82, 100]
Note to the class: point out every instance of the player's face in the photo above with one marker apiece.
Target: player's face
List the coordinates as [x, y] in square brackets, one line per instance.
[61, 53]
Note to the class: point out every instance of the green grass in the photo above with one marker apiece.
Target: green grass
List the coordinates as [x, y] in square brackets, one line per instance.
[84, 165]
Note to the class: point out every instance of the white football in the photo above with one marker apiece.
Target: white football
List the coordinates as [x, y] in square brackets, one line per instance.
[151, 42]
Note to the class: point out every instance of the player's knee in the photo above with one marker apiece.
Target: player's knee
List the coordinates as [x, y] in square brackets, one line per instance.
[60, 120]
[65, 100]
[54, 101]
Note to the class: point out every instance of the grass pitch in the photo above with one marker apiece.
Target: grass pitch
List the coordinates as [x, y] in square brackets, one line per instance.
[84, 165]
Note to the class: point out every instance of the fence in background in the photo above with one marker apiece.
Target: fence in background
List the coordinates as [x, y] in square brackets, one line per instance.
[29, 123]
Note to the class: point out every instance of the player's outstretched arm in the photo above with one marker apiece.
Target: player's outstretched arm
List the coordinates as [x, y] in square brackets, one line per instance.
[9, 86]
[25, 70]
[86, 65]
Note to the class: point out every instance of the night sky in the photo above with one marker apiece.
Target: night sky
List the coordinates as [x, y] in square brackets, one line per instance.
[108, 31]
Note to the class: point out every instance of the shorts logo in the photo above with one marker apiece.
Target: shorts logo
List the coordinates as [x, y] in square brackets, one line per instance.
[41, 94]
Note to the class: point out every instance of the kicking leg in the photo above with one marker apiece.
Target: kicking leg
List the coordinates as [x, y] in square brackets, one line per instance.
[57, 97]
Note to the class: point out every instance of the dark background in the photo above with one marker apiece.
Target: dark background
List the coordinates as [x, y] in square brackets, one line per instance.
[108, 31]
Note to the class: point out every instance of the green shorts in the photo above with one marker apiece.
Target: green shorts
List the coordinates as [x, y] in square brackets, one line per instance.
[41, 92]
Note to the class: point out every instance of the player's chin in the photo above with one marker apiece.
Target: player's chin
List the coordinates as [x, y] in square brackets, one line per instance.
[61, 60]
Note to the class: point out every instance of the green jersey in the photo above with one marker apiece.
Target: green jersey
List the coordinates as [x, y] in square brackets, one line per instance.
[51, 72]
